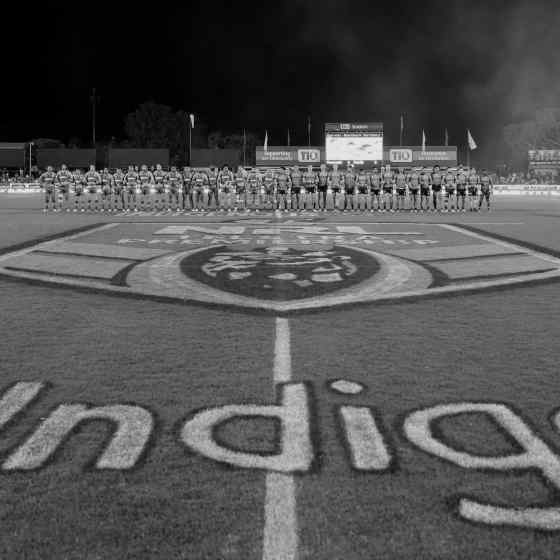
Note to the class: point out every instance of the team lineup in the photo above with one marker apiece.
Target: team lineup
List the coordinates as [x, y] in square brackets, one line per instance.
[201, 189]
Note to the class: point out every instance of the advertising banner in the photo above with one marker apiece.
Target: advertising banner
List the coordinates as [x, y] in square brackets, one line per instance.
[544, 158]
[125, 157]
[410, 156]
[289, 155]
[73, 158]
[527, 190]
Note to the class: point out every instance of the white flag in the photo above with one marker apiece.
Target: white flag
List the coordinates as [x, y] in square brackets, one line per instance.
[470, 140]
[266, 141]
[192, 120]
[423, 141]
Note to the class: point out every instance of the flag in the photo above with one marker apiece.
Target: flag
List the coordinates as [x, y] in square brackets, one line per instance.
[288, 136]
[446, 138]
[402, 130]
[309, 130]
[423, 141]
[266, 140]
[470, 140]
[191, 116]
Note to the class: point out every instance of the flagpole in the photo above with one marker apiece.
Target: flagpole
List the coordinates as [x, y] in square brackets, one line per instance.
[309, 131]
[244, 147]
[402, 129]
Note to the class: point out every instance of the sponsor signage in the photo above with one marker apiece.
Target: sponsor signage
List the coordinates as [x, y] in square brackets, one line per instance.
[400, 155]
[445, 156]
[531, 190]
[543, 158]
[289, 155]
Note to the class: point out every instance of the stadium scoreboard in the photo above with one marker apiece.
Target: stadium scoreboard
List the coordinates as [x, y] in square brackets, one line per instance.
[354, 142]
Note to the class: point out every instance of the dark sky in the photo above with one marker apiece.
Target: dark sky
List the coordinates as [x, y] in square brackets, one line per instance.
[268, 64]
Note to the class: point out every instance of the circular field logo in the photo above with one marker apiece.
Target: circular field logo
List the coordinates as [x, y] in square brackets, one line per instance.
[279, 273]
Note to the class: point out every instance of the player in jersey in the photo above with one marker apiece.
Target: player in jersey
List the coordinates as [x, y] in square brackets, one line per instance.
[93, 183]
[387, 185]
[425, 182]
[310, 181]
[47, 181]
[159, 184]
[268, 188]
[298, 194]
[375, 181]
[450, 186]
[199, 190]
[227, 188]
[334, 182]
[64, 181]
[349, 190]
[254, 183]
[174, 184]
[146, 180]
[473, 190]
[213, 192]
[117, 201]
[437, 180]
[400, 184]
[461, 179]
[322, 186]
[283, 189]
[362, 191]
[187, 193]
[414, 190]
[79, 183]
[240, 183]
[485, 189]
[106, 190]
[131, 181]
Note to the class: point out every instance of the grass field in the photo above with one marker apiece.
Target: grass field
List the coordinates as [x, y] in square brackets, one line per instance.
[345, 493]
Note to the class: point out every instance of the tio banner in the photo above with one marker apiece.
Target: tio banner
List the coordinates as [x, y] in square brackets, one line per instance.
[414, 156]
[290, 155]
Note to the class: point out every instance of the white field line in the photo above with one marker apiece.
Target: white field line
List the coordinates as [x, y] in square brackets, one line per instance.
[280, 539]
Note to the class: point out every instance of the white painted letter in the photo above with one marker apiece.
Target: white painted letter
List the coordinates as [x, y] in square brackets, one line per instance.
[16, 398]
[367, 448]
[536, 455]
[296, 453]
[133, 428]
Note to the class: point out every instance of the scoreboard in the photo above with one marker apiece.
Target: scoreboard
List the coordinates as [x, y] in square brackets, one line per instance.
[354, 142]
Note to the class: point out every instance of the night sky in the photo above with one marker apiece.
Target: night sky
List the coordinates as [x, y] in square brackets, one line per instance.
[258, 65]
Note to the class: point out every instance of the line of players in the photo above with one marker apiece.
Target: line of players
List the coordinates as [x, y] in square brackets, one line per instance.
[384, 190]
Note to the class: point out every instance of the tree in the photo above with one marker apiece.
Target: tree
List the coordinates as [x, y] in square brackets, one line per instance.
[156, 126]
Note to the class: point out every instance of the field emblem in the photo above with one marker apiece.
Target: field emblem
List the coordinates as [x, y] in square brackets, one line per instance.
[280, 267]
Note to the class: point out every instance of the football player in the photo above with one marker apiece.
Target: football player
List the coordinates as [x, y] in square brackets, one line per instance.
[388, 183]
[322, 186]
[78, 178]
[375, 180]
[400, 182]
[449, 184]
[117, 202]
[146, 179]
[106, 190]
[254, 184]
[240, 182]
[414, 190]
[283, 183]
[486, 187]
[349, 189]
[462, 179]
[93, 182]
[213, 188]
[363, 201]
[64, 180]
[298, 197]
[226, 186]
[188, 199]
[174, 184]
[334, 191]
[473, 190]
[268, 189]
[131, 181]
[436, 179]
[425, 180]
[159, 182]
[310, 181]
[47, 181]
[200, 190]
